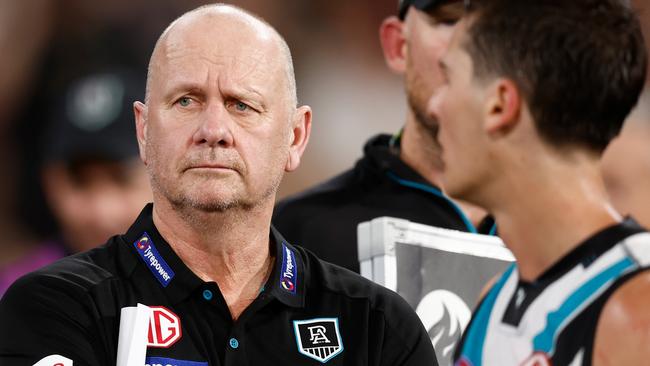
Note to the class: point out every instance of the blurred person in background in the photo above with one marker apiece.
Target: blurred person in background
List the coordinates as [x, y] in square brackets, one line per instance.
[398, 175]
[626, 164]
[92, 179]
[61, 43]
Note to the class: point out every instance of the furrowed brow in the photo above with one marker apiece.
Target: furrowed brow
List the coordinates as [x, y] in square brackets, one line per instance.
[183, 88]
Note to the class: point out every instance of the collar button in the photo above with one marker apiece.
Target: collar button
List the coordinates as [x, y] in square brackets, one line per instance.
[207, 294]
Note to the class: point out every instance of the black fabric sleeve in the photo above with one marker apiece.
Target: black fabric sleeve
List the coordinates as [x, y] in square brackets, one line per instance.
[406, 341]
[42, 315]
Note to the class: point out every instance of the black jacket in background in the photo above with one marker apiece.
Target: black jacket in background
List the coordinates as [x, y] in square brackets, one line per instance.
[324, 218]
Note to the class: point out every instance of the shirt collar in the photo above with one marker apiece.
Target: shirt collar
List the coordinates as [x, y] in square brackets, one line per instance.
[286, 282]
[381, 153]
[288, 279]
[183, 282]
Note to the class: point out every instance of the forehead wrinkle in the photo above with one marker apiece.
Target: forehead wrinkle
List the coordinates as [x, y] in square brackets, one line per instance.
[230, 24]
[246, 78]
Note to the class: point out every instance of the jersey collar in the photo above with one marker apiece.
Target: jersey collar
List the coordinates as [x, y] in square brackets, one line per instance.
[288, 279]
[286, 282]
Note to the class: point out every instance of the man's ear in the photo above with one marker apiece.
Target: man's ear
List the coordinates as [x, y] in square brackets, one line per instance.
[140, 111]
[503, 107]
[393, 43]
[299, 137]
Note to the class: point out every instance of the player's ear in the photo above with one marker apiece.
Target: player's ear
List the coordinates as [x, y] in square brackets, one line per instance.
[502, 107]
[393, 43]
[140, 111]
[298, 137]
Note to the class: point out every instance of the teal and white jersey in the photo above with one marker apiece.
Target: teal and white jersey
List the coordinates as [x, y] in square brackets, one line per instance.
[552, 321]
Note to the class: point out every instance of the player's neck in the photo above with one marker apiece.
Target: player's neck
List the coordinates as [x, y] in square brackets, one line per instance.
[543, 215]
[230, 248]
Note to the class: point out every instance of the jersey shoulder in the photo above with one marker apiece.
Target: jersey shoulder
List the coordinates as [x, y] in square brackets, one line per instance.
[328, 277]
[75, 274]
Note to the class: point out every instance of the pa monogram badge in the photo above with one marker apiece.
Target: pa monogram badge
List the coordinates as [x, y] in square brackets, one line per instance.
[319, 339]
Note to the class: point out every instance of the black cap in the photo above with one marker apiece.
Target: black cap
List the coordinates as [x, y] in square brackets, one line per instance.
[424, 5]
[93, 118]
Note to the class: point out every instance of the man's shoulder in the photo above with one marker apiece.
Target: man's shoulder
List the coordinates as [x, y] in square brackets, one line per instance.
[78, 273]
[342, 282]
[66, 308]
[623, 330]
[403, 336]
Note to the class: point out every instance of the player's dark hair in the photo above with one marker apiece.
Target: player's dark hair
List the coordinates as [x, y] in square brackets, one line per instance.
[580, 64]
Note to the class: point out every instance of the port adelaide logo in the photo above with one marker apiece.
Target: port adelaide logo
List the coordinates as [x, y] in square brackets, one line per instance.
[319, 339]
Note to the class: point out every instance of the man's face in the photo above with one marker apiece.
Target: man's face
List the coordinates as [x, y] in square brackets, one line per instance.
[427, 37]
[457, 105]
[218, 117]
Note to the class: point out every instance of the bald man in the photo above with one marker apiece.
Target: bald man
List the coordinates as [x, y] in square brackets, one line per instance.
[218, 129]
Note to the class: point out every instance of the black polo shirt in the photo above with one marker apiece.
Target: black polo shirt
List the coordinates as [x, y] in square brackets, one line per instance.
[308, 313]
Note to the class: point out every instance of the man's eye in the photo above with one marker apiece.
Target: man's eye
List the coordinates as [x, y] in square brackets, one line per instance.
[242, 107]
[184, 102]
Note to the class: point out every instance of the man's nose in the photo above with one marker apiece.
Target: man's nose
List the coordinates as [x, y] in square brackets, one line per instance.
[215, 126]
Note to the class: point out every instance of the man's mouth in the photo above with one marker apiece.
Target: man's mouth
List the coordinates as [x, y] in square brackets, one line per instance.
[211, 167]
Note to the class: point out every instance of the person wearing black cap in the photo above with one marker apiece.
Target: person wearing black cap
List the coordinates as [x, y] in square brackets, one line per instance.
[92, 179]
[202, 278]
[399, 175]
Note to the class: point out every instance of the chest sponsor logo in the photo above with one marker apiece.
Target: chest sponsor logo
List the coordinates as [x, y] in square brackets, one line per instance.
[154, 261]
[162, 361]
[289, 275]
[319, 339]
[164, 328]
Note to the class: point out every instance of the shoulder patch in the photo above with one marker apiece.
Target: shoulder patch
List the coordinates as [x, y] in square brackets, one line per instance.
[154, 261]
[289, 275]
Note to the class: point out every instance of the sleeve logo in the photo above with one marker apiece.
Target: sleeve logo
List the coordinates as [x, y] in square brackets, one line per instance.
[154, 261]
[288, 277]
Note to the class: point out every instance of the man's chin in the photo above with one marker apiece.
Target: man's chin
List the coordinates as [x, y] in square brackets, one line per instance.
[216, 207]
[209, 203]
